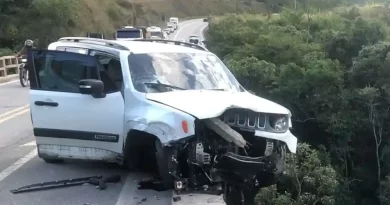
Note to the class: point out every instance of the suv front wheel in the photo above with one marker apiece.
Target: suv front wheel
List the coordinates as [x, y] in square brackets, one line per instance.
[163, 158]
[53, 161]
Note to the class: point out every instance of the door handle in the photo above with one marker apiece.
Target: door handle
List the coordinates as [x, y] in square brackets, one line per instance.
[43, 103]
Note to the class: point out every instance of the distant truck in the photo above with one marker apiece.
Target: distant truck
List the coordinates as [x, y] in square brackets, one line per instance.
[175, 22]
[130, 33]
[171, 27]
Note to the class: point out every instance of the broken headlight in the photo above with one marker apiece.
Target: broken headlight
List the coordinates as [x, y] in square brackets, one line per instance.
[279, 123]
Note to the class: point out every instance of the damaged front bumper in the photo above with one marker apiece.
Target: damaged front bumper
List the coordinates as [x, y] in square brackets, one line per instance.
[246, 171]
[219, 153]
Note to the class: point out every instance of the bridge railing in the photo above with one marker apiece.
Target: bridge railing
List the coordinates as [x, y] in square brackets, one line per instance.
[8, 66]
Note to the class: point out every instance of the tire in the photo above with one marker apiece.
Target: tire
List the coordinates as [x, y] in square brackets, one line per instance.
[53, 161]
[132, 163]
[23, 76]
[234, 197]
[162, 158]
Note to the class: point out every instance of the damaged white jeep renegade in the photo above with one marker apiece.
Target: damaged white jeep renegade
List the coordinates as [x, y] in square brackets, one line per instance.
[119, 101]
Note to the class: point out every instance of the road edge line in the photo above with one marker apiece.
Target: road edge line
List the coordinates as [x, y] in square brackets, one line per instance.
[13, 111]
[16, 165]
[2, 120]
[9, 79]
[181, 28]
[126, 196]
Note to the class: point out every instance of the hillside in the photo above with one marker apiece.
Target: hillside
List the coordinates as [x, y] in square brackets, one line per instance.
[46, 20]
[331, 70]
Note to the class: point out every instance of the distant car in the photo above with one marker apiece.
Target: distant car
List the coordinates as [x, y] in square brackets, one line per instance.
[171, 28]
[194, 39]
[130, 33]
[167, 31]
[165, 35]
[155, 32]
[205, 20]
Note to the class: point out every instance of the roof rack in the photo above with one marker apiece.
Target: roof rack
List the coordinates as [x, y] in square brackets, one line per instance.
[181, 43]
[95, 41]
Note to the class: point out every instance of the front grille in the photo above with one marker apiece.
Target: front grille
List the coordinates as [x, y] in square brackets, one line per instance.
[244, 118]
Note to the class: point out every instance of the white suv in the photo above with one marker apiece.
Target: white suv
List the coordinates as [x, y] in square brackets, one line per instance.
[116, 101]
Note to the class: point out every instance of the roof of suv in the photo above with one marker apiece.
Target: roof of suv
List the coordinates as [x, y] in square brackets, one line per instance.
[133, 46]
[155, 47]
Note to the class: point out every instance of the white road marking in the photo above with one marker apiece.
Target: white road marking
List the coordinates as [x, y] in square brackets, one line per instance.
[13, 113]
[9, 82]
[198, 199]
[15, 166]
[32, 143]
[126, 196]
[181, 28]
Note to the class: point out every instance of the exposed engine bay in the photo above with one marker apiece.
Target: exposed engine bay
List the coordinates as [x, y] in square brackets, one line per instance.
[225, 150]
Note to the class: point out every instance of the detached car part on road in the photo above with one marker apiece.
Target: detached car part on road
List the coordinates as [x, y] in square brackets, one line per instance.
[120, 101]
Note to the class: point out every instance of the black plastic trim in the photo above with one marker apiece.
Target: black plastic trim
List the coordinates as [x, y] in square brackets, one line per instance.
[77, 135]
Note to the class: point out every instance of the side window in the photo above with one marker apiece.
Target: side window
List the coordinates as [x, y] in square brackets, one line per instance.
[110, 71]
[61, 71]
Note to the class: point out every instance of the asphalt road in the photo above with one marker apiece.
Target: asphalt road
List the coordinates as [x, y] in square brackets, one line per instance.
[19, 164]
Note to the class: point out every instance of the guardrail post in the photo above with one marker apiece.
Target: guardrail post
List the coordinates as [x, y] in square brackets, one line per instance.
[8, 65]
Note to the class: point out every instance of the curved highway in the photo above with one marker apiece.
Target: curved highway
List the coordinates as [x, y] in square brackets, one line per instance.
[20, 166]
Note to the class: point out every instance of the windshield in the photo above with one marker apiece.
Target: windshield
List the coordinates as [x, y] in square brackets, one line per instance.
[190, 71]
[196, 41]
[159, 34]
[128, 34]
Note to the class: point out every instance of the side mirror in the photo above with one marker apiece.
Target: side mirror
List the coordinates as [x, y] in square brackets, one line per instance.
[92, 87]
[204, 42]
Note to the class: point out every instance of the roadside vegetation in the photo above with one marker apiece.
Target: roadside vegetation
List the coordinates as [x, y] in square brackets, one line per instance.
[330, 65]
[46, 20]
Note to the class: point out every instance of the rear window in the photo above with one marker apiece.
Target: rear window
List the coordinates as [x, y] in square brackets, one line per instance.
[159, 34]
[128, 34]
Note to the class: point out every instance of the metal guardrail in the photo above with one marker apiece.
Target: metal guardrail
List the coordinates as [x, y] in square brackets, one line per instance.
[8, 65]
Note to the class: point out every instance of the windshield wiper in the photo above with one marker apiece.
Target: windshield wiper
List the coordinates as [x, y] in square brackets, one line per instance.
[165, 85]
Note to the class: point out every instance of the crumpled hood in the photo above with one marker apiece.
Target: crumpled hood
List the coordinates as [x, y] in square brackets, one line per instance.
[205, 104]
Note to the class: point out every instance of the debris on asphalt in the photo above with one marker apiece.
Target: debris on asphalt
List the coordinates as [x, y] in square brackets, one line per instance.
[153, 184]
[99, 181]
[176, 198]
[142, 201]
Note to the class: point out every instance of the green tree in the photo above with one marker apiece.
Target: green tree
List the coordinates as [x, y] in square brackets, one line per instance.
[310, 179]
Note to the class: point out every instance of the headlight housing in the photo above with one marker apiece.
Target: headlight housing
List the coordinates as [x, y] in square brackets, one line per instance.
[279, 123]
